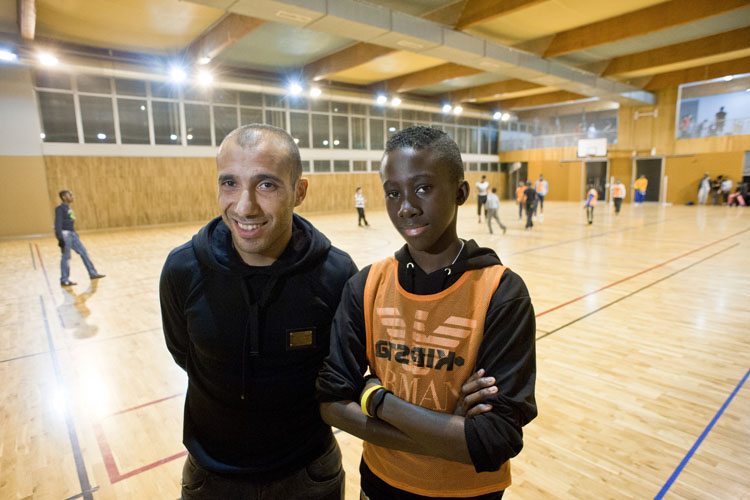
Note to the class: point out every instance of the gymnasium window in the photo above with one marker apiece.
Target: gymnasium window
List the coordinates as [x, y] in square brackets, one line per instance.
[359, 166]
[133, 114]
[197, 124]
[299, 129]
[341, 165]
[166, 123]
[97, 119]
[225, 120]
[58, 117]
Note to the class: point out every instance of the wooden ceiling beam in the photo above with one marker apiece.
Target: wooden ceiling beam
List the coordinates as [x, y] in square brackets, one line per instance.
[541, 100]
[641, 22]
[721, 43]
[221, 35]
[359, 53]
[426, 77]
[27, 18]
[448, 14]
[482, 11]
[707, 72]
[496, 89]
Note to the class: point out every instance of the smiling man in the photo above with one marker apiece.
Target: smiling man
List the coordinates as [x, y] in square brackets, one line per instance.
[247, 307]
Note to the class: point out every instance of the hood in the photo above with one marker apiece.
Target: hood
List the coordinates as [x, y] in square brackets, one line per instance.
[472, 256]
[214, 249]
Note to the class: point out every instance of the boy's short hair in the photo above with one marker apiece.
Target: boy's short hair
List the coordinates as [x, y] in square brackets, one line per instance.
[63, 193]
[419, 137]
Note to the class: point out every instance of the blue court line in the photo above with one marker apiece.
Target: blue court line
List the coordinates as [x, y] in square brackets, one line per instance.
[83, 477]
[708, 428]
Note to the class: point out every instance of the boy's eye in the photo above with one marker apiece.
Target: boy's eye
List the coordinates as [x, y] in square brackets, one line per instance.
[423, 189]
[391, 195]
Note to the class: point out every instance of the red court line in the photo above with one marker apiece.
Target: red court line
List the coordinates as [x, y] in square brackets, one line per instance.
[640, 272]
[108, 458]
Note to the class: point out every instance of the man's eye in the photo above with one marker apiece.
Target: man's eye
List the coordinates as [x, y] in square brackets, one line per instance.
[266, 185]
[227, 183]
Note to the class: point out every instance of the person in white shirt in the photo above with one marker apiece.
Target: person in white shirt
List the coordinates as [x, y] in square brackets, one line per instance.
[726, 188]
[542, 188]
[703, 189]
[493, 205]
[618, 193]
[482, 187]
[359, 203]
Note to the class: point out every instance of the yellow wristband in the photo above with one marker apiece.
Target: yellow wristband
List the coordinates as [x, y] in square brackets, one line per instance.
[366, 396]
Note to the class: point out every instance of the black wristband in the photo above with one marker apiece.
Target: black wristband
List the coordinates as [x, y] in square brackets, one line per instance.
[376, 400]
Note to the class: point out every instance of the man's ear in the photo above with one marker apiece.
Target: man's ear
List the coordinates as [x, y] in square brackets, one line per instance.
[300, 191]
[462, 193]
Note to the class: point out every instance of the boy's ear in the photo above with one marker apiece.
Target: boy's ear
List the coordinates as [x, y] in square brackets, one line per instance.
[462, 193]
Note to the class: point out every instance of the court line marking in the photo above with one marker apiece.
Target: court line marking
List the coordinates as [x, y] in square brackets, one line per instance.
[33, 261]
[700, 439]
[83, 478]
[24, 356]
[640, 273]
[636, 291]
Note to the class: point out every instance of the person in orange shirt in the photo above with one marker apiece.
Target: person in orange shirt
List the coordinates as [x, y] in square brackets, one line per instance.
[640, 186]
[423, 320]
[591, 198]
[519, 198]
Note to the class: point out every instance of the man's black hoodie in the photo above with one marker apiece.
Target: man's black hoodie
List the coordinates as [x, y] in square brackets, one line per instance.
[252, 340]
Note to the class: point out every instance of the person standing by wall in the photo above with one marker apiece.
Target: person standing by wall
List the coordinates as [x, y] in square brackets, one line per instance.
[542, 188]
[721, 117]
[493, 206]
[67, 240]
[618, 194]
[640, 186]
[519, 198]
[591, 198]
[482, 187]
[247, 307]
[704, 187]
[726, 189]
[359, 203]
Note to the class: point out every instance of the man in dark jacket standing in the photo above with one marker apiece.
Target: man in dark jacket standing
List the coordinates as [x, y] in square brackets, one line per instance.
[67, 240]
[247, 307]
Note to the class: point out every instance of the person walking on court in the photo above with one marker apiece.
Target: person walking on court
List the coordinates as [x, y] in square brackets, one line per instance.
[640, 186]
[247, 306]
[422, 321]
[519, 198]
[542, 188]
[529, 200]
[493, 206]
[591, 196]
[704, 187]
[618, 194]
[359, 202]
[482, 187]
[67, 240]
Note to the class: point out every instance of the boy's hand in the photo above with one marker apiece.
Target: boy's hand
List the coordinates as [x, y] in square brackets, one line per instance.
[475, 390]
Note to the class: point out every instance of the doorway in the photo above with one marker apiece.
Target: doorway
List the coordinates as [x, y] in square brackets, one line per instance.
[652, 169]
[595, 172]
[517, 172]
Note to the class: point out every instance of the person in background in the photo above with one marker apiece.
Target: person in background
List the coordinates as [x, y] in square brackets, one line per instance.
[721, 117]
[618, 194]
[482, 187]
[519, 198]
[247, 306]
[493, 206]
[359, 203]
[704, 187]
[542, 188]
[67, 240]
[529, 200]
[726, 188]
[716, 189]
[640, 186]
[740, 196]
[440, 311]
[591, 196]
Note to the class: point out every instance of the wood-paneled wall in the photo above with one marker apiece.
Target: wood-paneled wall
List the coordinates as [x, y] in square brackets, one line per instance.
[685, 172]
[23, 197]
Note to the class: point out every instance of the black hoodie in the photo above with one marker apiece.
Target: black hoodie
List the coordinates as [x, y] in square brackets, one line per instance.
[252, 340]
[507, 351]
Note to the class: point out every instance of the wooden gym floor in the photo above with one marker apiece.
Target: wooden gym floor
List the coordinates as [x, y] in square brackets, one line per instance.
[643, 357]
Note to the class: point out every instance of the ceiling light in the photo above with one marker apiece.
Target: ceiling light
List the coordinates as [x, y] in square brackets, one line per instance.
[173, 137]
[505, 117]
[7, 55]
[391, 129]
[325, 142]
[101, 136]
[295, 89]
[47, 59]
[143, 108]
[177, 75]
[497, 115]
[204, 60]
[458, 110]
[395, 102]
[190, 137]
[381, 99]
[205, 78]
[42, 135]
[336, 142]
[447, 108]
[728, 78]
[296, 140]
[315, 92]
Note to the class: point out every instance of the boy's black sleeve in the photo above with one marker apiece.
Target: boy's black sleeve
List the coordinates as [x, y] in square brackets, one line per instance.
[341, 378]
[507, 353]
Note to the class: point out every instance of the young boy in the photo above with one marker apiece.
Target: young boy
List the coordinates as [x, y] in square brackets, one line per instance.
[359, 203]
[519, 198]
[591, 196]
[493, 205]
[422, 322]
[529, 199]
